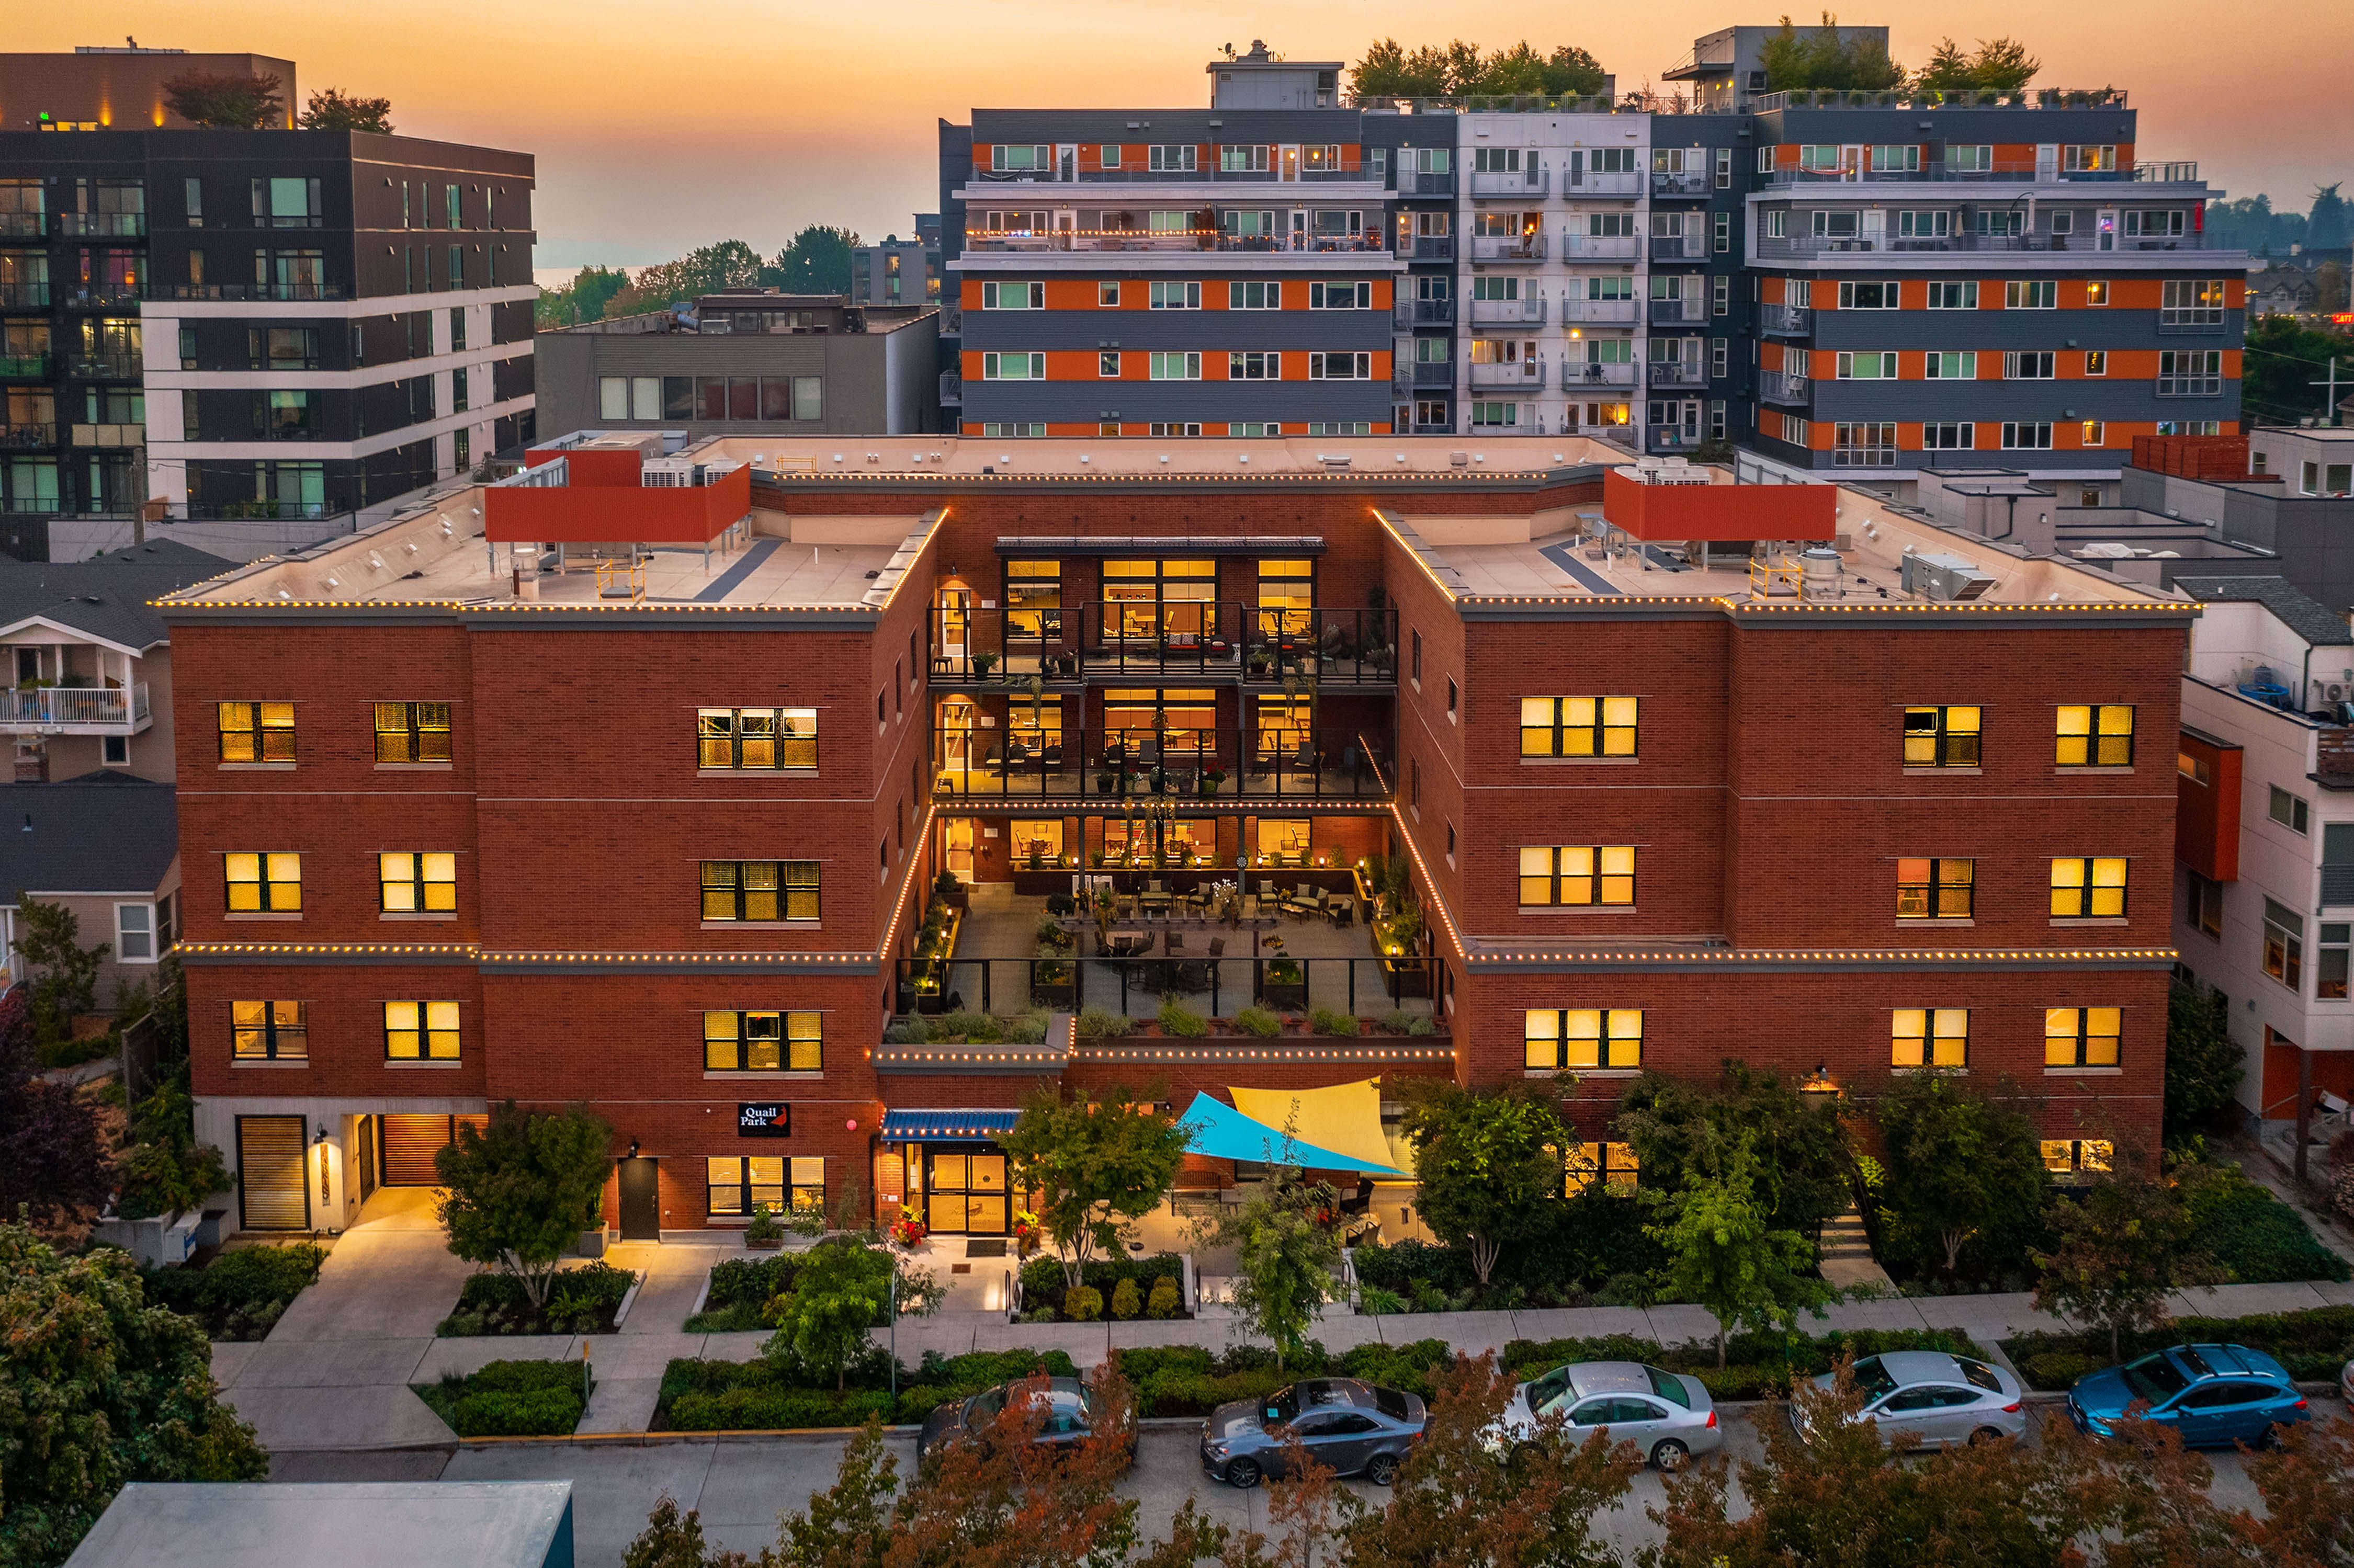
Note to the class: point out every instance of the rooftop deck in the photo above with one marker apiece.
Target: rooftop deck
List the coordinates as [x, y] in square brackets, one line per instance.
[1361, 459]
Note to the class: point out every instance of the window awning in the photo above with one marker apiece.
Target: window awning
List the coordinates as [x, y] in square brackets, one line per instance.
[923, 1126]
[1222, 1132]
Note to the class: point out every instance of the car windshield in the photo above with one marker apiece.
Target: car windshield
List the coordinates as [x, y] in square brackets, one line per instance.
[1391, 1402]
[1549, 1392]
[1668, 1385]
[1980, 1375]
[2156, 1378]
[1278, 1408]
[1872, 1377]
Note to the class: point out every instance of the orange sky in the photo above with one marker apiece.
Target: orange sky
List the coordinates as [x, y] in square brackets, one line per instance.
[660, 128]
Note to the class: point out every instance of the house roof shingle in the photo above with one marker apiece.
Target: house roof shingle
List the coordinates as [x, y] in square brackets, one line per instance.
[106, 595]
[103, 833]
[2308, 618]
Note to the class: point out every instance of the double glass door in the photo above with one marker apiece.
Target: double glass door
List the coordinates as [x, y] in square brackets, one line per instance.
[966, 1192]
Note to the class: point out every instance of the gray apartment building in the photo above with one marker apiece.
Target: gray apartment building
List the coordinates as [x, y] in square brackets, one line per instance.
[748, 364]
[896, 271]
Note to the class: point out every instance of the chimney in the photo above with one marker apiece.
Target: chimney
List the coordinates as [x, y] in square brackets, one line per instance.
[32, 760]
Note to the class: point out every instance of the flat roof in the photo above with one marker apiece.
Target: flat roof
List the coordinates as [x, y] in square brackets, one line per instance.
[352, 1524]
[1357, 458]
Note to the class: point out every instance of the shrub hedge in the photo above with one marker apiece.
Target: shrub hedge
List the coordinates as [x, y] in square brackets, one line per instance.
[1043, 1288]
[242, 1293]
[2260, 1239]
[2312, 1344]
[582, 1301]
[740, 1287]
[1597, 1236]
[510, 1399]
[763, 1397]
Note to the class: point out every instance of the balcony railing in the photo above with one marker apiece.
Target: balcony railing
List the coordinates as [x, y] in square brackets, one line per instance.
[1688, 183]
[1206, 639]
[951, 321]
[1785, 321]
[102, 224]
[1620, 311]
[1431, 248]
[1423, 375]
[25, 366]
[1676, 373]
[1598, 182]
[255, 291]
[1872, 456]
[1781, 386]
[2083, 245]
[99, 296]
[1522, 372]
[2190, 386]
[1529, 181]
[23, 225]
[74, 710]
[110, 435]
[1601, 247]
[104, 367]
[1067, 173]
[1674, 438]
[952, 389]
[1507, 246]
[1678, 246]
[28, 434]
[2015, 98]
[1424, 313]
[1148, 764]
[1529, 312]
[1666, 312]
[1216, 985]
[24, 296]
[2192, 319]
[1586, 375]
[1419, 183]
[2007, 171]
[997, 242]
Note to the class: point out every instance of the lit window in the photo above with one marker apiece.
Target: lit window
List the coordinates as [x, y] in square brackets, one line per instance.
[2097, 737]
[2088, 887]
[264, 884]
[1577, 726]
[257, 732]
[420, 1031]
[2075, 1156]
[2081, 1036]
[270, 1030]
[763, 1042]
[415, 883]
[759, 890]
[755, 737]
[1941, 738]
[1585, 1038]
[1578, 875]
[738, 1184]
[2285, 945]
[1930, 1037]
[1935, 889]
[412, 732]
[1612, 1164]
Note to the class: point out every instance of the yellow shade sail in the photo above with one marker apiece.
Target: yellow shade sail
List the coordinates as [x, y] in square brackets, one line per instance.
[1345, 1119]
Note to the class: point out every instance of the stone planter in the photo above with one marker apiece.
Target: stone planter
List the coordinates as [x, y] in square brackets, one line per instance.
[1279, 997]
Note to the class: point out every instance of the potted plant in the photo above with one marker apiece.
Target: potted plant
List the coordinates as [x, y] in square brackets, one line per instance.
[947, 890]
[1257, 661]
[1285, 987]
[982, 663]
[1025, 1232]
[765, 1233]
[1211, 778]
[910, 1234]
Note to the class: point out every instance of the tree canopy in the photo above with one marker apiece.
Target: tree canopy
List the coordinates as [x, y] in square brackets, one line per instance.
[1094, 1167]
[2284, 358]
[54, 1159]
[1389, 70]
[518, 1195]
[1999, 65]
[1675, 1125]
[330, 109]
[581, 300]
[815, 261]
[1825, 58]
[2125, 1244]
[166, 1170]
[1490, 1167]
[63, 974]
[2202, 1061]
[1957, 1161]
[1724, 1252]
[225, 103]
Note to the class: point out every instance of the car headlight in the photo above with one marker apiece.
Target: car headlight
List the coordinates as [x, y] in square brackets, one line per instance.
[1218, 1450]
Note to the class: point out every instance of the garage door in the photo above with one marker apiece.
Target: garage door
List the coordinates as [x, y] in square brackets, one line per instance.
[271, 1177]
[410, 1143]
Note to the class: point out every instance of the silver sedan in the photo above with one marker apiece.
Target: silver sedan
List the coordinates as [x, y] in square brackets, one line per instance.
[1934, 1398]
[1668, 1415]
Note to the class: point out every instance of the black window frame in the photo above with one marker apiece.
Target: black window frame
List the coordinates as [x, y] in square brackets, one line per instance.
[737, 886]
[414, 723]
[271, 1031]
[787, 748]
[261, 732]
[740, 1038]
[1947, 875]
[1947, 744]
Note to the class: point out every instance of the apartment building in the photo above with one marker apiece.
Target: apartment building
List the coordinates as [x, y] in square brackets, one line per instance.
[1212, 686]
[261, 326]
[900, 271]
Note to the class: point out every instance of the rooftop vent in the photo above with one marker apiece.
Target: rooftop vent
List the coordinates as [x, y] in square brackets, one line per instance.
[1945, 579]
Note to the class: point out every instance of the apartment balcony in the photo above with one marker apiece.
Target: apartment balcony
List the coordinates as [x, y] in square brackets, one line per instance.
[1430, 248]
[2190, 386]
[1424, 375]
[1159, 765]
[290, 291]
[25, 366]
[1675, 373]
[1781, 386]
[1424, 313]
[1518, 313]
[104, 367]
[2192, 319]
[1095, 243]
[2078, 246]
[1507, 248]
[23, 225]
[1688, 183]
[120, 436]
[1201, 640]
[74, 710]
[1672, 438]
[1785, 321]
[1919, 99]
[1621, 313]
[951, 389]
[1067, 173]
[102, 224]
[1600, 247]
[18, 437]
[1672, 313]
[1416, 183]
[1593, 376]
[1524, 375]
[100, 296]
[951, 321]
[2008, 171]
[1595, 182]
[1531, 181]
[25, 296]
[1679, 247]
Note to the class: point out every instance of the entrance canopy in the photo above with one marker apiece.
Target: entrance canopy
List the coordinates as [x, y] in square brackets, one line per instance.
[931, 1126]
[1339, 1132]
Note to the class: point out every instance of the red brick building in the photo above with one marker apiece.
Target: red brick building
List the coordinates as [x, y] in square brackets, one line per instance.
[464, 819]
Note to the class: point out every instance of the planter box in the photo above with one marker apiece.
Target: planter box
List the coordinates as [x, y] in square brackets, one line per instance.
[959, 896]
[1280, 998]
[1062, 996]
[772, 1244]
[1414, 981]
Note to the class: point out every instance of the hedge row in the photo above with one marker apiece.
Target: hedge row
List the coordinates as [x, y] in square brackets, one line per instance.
[510, 1399]
[1044, 1288]
[763, 1397]
[2312, 1344]
[243, 1292]
[740, 1287]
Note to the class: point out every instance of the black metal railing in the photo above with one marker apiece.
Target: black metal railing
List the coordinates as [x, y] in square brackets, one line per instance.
[1212, 985]
[1210, 638]
[1326, 762]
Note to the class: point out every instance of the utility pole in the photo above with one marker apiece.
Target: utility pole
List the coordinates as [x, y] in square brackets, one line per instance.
[2329, 406]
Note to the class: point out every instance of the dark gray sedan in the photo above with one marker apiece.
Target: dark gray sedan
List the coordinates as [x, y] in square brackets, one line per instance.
[1353, 1427]
[1068, 1415]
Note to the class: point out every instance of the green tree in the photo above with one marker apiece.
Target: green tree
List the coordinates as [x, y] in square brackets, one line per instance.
[2002, 65]
[1824, 59]
[2126, 1244]
[166, 1170]
[842, 1288]
[518, 1194]
[1096, 1167]
[2203, 1062]
[224, 102]
[331, 109]
[2325, 227]
[1955, 1162]
[581, 300]
[1723, 1252]
[848, 1524]
[672, 1539]
[1285, 1253]
[816, 261]
[1675, 1125]
[1388, 71]
[54, 1164]
[98, 1388]
[64, 974]
[2329, 296]
[1947, 70]
[2285, 357]
[1488, 1167]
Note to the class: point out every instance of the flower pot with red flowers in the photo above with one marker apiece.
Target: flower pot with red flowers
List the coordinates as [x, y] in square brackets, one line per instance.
[1026, 1232]
[910, 1234]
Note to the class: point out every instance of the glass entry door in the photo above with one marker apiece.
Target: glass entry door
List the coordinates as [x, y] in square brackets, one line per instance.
[967, 1192]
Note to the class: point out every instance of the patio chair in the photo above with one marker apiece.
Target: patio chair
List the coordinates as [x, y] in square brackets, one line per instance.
[1250, 908]
[1217, 947]
[1176, 943]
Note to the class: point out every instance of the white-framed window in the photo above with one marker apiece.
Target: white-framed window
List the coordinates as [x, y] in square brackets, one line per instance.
[1176, 428]
[1339, 366]
[1872, 366]
[1000, 367]
[1174, 296]
[135, 934]
[1176, 366]
[1107, 294]
[1934, 223]
[1108, 364]
[1254, 296]
[1495, 415]
[1250, 159]
[2095, 433]
[997, 296]
[2191, 301]
[1720, 294]
[1962, 366]
[1720, 232]
[1949, 436]
[1867, 296]
[114, 751]
[1340, 427]
[628, 398]
[1012, 429]
[1021, 159]
[2097, 362]
[1973, 159]
[2077, 158]
[1254, 428]
[1341, 296]
[1254, 366]
[1766, 160]
[1777, 220]
[1954, 296]
[1867, 443]
[1173, 158]
[1793, 428]
[2027, 435]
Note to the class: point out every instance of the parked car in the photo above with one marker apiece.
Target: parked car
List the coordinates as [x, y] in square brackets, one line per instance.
[2346, 1384]
[1069, 1415]
[1354, 1427]
[1939, 1400]
[1668, 1415]
[2215, 1396]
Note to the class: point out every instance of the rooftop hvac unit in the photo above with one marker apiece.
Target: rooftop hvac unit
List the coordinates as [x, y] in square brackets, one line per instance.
[1947, 579]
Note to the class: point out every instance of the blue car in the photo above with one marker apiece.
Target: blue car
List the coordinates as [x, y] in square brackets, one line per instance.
[2214, 1395]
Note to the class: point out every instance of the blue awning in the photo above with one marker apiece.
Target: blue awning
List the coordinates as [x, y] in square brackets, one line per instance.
[932, 1126]
[1222, 1132]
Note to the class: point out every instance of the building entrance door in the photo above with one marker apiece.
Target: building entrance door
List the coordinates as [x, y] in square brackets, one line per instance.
[955, 618]
[957, 847]
[967, 1191]
[641, 1199]
[273, 1188]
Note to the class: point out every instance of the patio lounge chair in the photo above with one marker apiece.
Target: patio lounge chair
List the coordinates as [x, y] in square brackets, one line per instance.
[1176, 943]
[1217, 947]
[1302, 902]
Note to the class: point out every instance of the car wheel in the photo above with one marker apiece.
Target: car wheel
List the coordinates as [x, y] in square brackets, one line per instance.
[1383, 1469]
[1670, 1456]
[1986, 1434]
[1243, 1474]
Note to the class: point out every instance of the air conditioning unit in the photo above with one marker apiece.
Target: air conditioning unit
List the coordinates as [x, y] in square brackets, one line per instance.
[1947, 579]
[2335, 691]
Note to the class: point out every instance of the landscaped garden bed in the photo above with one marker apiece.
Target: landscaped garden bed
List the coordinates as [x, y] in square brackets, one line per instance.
[769, 1396]
[740, 1288]
[512, 1399]
[241, 1293]
[2312, 1345]
[582, 1301]
[1121, 1288]
[1595, 1254]
[2255, 1236]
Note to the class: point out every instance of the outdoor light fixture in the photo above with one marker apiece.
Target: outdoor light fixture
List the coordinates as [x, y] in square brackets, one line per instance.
[633, 1149]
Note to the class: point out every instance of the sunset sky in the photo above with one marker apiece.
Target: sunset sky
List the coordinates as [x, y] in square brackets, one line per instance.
[660, 128]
